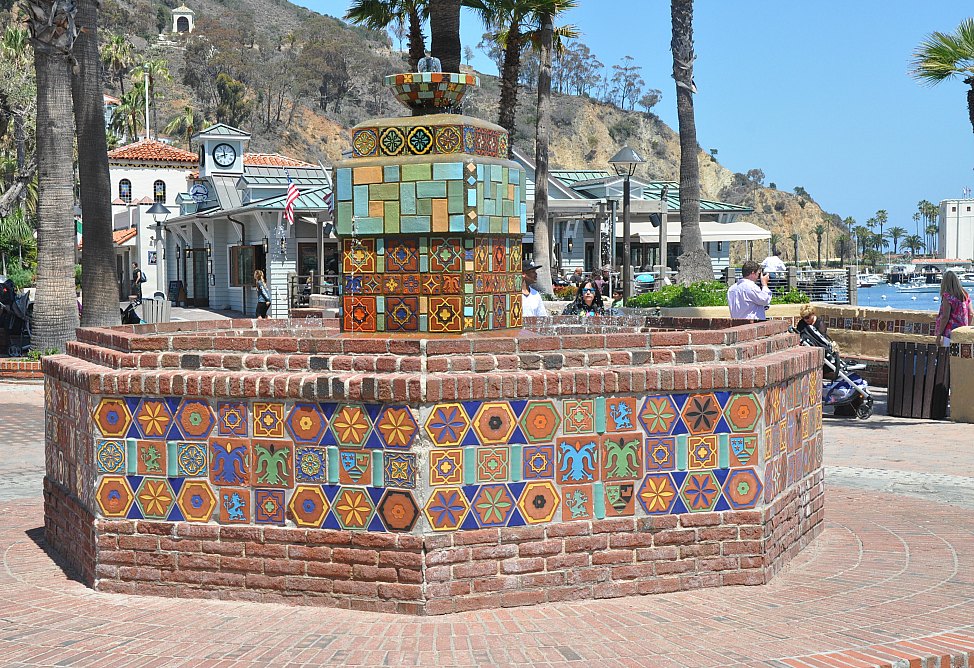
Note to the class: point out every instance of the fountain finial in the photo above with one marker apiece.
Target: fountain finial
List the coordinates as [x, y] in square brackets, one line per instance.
[431, 91]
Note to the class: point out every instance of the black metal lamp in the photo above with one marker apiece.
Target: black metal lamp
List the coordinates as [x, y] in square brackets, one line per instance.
[625, 162]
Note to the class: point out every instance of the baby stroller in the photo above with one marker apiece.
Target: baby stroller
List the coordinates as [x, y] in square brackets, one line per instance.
[15, 318]
[842, 388]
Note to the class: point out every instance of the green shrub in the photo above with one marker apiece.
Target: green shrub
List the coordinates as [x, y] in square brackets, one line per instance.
[704, 293]
[22, 278]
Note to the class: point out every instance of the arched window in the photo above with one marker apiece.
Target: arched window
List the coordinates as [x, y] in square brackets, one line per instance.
[125, 191]
[159, 191]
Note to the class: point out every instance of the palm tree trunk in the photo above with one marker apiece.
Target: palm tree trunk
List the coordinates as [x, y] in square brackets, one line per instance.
[55, 308]
[694, 263]
[417, 43]
[541, 234]
[99, 284]
[445, 33]
[510, 71]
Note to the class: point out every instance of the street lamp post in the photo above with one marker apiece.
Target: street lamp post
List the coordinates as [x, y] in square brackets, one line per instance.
[625, 162]
[664, 264]
[156, 210]
[145, 71]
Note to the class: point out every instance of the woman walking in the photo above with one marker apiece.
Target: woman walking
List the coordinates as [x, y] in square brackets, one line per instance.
[263, 296]
[955, 308]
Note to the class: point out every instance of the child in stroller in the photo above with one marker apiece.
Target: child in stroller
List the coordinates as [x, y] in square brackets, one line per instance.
[842, 388]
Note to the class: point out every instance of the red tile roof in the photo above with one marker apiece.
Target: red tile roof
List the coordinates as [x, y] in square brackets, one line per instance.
[273, 160]
[121, 236]
[152, 151]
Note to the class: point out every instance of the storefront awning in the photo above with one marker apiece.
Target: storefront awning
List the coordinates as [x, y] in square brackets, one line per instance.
[710, 231]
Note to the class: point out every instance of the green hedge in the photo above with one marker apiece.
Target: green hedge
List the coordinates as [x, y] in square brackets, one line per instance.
[704, 293]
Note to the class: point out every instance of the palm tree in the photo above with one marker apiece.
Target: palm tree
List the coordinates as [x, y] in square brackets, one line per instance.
[381, 14]
[52, 29]
[819, 233]
[156, 70]
[895, 234]
[773, 242]
[882, 217]
[515, 23]
[933, 231]
[862, 237]
[99, 283]
[118, 56]
[187, 123]
[795, 238]
[916, 221]
[842, 241]
[914, 243]
[129, 115]
[694, 264]
[941, 56]
[445, 33]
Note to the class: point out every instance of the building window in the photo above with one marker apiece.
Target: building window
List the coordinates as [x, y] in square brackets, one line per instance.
[159, 191]
[125, 191]
[953, 209]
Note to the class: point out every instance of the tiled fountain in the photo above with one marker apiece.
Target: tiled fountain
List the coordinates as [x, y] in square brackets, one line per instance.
[428, 452]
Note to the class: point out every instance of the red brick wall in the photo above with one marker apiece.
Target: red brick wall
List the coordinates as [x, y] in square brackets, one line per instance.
[19, 369]
[69, 529]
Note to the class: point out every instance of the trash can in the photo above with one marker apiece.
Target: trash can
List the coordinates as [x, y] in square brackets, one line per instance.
[919, 380]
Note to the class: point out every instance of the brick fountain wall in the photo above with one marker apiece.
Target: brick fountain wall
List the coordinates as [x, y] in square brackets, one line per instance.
[275, 462]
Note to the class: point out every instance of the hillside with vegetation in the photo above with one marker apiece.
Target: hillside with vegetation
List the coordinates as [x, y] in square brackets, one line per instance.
[298, 80]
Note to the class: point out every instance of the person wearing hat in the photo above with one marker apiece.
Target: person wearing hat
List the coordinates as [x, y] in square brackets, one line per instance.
[531, 302]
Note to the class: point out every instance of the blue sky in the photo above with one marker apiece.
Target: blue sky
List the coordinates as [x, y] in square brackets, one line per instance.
[816, 94]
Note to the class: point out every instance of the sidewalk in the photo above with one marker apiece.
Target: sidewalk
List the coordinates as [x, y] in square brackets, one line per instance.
[889, 580]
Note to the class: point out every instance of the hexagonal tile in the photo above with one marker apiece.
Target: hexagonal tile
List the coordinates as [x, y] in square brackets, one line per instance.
[308, 506]
[701, 413]
[306, 423]
[743, 412]
[540, 421]
[353, 508]
[196, 501]
[351, 425]
[195, 418]
[494, 422]
[397, 427]
[742, 489]
[114, 496]
[700, 492]
[492, 505]
[113, 418]
[447, 424]
[153, 418]
[446, 509]
[658, 415]
[155, 498]
[398, 510]
[538, 502]
[657, 493]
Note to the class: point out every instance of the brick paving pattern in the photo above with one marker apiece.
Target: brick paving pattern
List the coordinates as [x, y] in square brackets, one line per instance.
[887, 583]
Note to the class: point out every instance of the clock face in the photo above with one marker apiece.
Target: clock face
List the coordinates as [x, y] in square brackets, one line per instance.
[224, 155]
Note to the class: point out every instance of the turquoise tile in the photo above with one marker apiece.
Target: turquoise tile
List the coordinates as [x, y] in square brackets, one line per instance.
[343, 222]
[495, 172]
[598, 502]
[407, 198]
[424, 207]
[468, 311]
[448, 170]
[414, 224]
[131, 455]
[600, 415]
[368, 225]
[424, 262]
[723, 451]
[469, 466]
[361, 201]
[457, 224]
[333, 464]
[172, 458]
[380, 303]
[681, 452]
[471, 197]
[343, 182]
[431, 189]
[390, 173]
[378, 480]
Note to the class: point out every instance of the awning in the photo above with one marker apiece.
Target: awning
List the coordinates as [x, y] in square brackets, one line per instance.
[710, 231]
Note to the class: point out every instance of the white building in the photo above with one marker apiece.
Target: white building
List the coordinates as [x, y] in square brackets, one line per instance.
[956, 235]
[580, 198]
[226, 206]
[183, 19]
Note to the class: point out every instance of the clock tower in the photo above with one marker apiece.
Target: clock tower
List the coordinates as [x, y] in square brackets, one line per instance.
[221, 148]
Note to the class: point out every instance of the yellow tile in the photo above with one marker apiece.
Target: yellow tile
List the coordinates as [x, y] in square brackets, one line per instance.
[376, 209]
[513, 225]
[510, 191]
[441, 216]
[361, 175]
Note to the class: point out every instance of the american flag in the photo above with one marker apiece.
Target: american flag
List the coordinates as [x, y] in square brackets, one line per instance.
[292, 197]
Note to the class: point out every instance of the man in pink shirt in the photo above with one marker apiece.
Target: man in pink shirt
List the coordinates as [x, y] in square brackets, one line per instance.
[745, 298]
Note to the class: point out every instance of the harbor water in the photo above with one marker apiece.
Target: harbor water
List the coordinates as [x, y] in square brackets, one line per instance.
[888, 296]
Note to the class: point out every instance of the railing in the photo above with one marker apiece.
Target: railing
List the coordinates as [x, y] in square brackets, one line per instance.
[300, 288]
[821, 285]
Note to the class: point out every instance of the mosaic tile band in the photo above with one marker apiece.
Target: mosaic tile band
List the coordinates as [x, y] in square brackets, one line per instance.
[452, 466]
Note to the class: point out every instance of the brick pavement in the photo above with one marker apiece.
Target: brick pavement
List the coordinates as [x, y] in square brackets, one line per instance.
[890, 579]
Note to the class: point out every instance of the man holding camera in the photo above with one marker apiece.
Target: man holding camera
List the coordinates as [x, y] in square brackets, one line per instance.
[747, 300]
